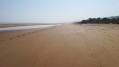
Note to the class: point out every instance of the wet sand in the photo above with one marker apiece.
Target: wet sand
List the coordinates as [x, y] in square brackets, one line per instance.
[23, 24]
[87, 45]
[12, 25]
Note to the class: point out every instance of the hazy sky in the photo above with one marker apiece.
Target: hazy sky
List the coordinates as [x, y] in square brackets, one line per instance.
[55, 10]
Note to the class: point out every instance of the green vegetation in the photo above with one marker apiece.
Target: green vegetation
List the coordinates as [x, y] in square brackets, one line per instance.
[110, 20]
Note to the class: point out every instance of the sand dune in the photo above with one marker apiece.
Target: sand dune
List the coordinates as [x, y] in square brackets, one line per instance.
[87, 45]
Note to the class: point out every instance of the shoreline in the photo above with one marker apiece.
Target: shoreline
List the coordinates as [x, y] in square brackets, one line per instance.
[26, 27]
[2, 25]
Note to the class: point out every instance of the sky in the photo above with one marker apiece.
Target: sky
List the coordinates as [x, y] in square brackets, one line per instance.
[55, 11]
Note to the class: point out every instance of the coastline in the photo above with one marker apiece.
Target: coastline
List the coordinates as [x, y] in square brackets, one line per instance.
[2, 25]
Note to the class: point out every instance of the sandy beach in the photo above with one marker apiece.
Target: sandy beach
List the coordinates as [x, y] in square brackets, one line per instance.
[69, 45]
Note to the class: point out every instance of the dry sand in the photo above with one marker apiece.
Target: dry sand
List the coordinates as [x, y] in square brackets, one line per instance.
[64, 46]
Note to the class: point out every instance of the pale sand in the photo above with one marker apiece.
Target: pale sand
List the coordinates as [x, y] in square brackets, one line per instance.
[63, 46]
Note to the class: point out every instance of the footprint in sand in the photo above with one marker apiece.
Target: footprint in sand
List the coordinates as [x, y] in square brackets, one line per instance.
[24, 35]
[11, 38]
[100, 65]
[37, 31]
[89, 49]
[2, 40]
[112, 47]
[86, 30]
[117, 56]
[34, 32]
[28, 33]
[18, 36]
[103, 47]
[31, 32]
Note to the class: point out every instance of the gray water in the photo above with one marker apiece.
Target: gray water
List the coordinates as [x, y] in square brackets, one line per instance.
[26, 27]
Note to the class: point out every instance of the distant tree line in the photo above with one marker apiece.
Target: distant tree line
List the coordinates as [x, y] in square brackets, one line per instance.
[100, 21]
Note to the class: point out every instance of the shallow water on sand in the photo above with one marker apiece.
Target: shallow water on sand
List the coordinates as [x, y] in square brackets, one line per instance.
[25, 27]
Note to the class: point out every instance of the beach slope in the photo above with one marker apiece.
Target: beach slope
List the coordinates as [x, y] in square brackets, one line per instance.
[86, 45]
